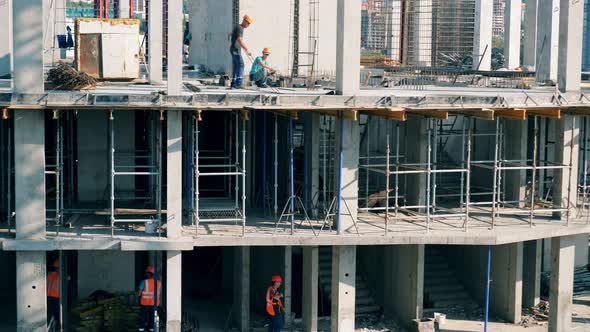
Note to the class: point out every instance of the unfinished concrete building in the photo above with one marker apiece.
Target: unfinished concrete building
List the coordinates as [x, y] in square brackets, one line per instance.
[396, 189]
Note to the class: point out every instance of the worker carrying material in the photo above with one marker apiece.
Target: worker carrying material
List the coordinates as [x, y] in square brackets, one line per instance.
[274, 305]
[235, 48]
[260, 71]
[147, 293]
[53, 295]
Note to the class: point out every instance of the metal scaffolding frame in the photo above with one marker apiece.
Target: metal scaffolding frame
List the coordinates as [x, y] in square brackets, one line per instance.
[6, 167]
[584, 170]
[54, 167]
[150, 170]
[232, 173]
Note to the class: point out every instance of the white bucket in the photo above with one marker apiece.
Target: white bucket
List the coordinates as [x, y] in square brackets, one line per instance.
[150, 227]
[441, 319]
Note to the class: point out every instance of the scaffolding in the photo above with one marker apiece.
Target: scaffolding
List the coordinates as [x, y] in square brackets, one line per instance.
[6, 168]
[221, 163]
[584, 170]
[54, 168]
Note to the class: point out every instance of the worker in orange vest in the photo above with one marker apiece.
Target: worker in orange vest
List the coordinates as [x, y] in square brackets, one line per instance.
[53, 294]
[147, 295]
[274, 305]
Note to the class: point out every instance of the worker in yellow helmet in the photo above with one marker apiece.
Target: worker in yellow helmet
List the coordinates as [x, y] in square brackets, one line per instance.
[261, 69]
[235, 48]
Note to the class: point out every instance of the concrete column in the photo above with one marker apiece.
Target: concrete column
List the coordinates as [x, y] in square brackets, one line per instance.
[27, 46]
[571, 23]
[516, 134]
[241, 310]
[349, 173]
[581, 241]
[531, 273]
[31, 292]
[561, 284]
[348, 43]
[6, 38]
[417, 152]
[29, 176]
[124, 9]
[512, 22]
[174, 174]
[175, 37]
[173, 291]
[287, 282]
[312, 150]
[422, 32]
[404, 279]
[482, 38]
[155, 27]
[310, 289]
[530, 33]
[506, 288]
[567, 133]
[547, 40]
[343, 288]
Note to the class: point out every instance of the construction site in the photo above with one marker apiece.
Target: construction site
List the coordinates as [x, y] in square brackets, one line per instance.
[407, 165]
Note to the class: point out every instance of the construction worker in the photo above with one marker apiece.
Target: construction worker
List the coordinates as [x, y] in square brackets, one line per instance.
[146, 295]
[53, 295]
[261, 69]
[235, 48]
[274, 305]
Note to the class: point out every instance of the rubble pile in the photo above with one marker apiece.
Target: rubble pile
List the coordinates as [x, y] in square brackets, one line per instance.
[64, 77]
[537, 315]
[377, 324]
[117, 313]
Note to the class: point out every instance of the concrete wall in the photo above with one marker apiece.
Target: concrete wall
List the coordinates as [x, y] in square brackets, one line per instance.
[93, 154]
[369, 257]
[211, 37]
[5, 37]
[112, 271]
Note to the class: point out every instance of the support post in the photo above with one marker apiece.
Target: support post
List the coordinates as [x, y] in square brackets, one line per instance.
[173, 291]
[31, 291]
[155, 27]
[174, 174]
[312, 144]
[531, 273]
[482, 38]
[547, 40]
[404, 278]
[175, 47]
[348, 43]
[561, 283]
[310, 289]
[28, 46]
[571, 23]
[506, 287]
[512, 22]
[530, 33]
[417, 152]
[287, 282]
[343, 288]
[566, 152]
[348, 173]
[241, 307]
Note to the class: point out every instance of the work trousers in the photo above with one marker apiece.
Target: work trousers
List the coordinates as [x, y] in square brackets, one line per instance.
[260, 78]
[276, 323]
[237, 70]
[53, 310]
[146, 318]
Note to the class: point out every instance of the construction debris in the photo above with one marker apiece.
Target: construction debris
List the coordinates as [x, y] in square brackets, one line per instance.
[537, 315]
[117, 313]
[64, 77]
[581, 282]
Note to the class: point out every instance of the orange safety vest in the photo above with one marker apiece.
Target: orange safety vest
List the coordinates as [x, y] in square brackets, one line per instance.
[53, 285]
[271, 303]
[147, 294]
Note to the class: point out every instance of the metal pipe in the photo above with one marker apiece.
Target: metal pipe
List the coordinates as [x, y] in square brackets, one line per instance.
[159, 176]
[243, 176]
[495, 173]
[237, 163]
[197, 173]
[534, 171]
[291, 178]
[387, 151]
[570, 169]
[429, 152]
[488, 282]
[397, 156]
[340, 154]
[468, 185]
[264, 164]
[435, 124]
[276, 166]
[368, 152]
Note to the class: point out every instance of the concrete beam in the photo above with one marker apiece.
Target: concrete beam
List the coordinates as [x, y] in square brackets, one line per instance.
[29, 175]
[312, 154]
[512, 22]
[241, 310]
[175, 47]
[531, 273]
[571, 23]
[404, 279]
[310, 289]
[348, 43]
[561, 284]
[31, 293]
[155, 27]
[28, 46]
[565, 185]
[6, 38]
[547, 40]
[349, 173]
[482, 38]
[173, 291]
[506, 288]
[516, 134]
[174, 174]
[530, 33]
[343, 288]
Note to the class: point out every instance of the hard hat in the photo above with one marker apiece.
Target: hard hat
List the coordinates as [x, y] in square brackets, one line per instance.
[276, 278]
[150, 269]
[56, 263]
[266, 50]
[248, 19]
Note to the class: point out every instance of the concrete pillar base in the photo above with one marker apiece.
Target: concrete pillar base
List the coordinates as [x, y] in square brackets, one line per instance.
[343, 288]
[310, 289]
[31, 305]
[561, 285]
